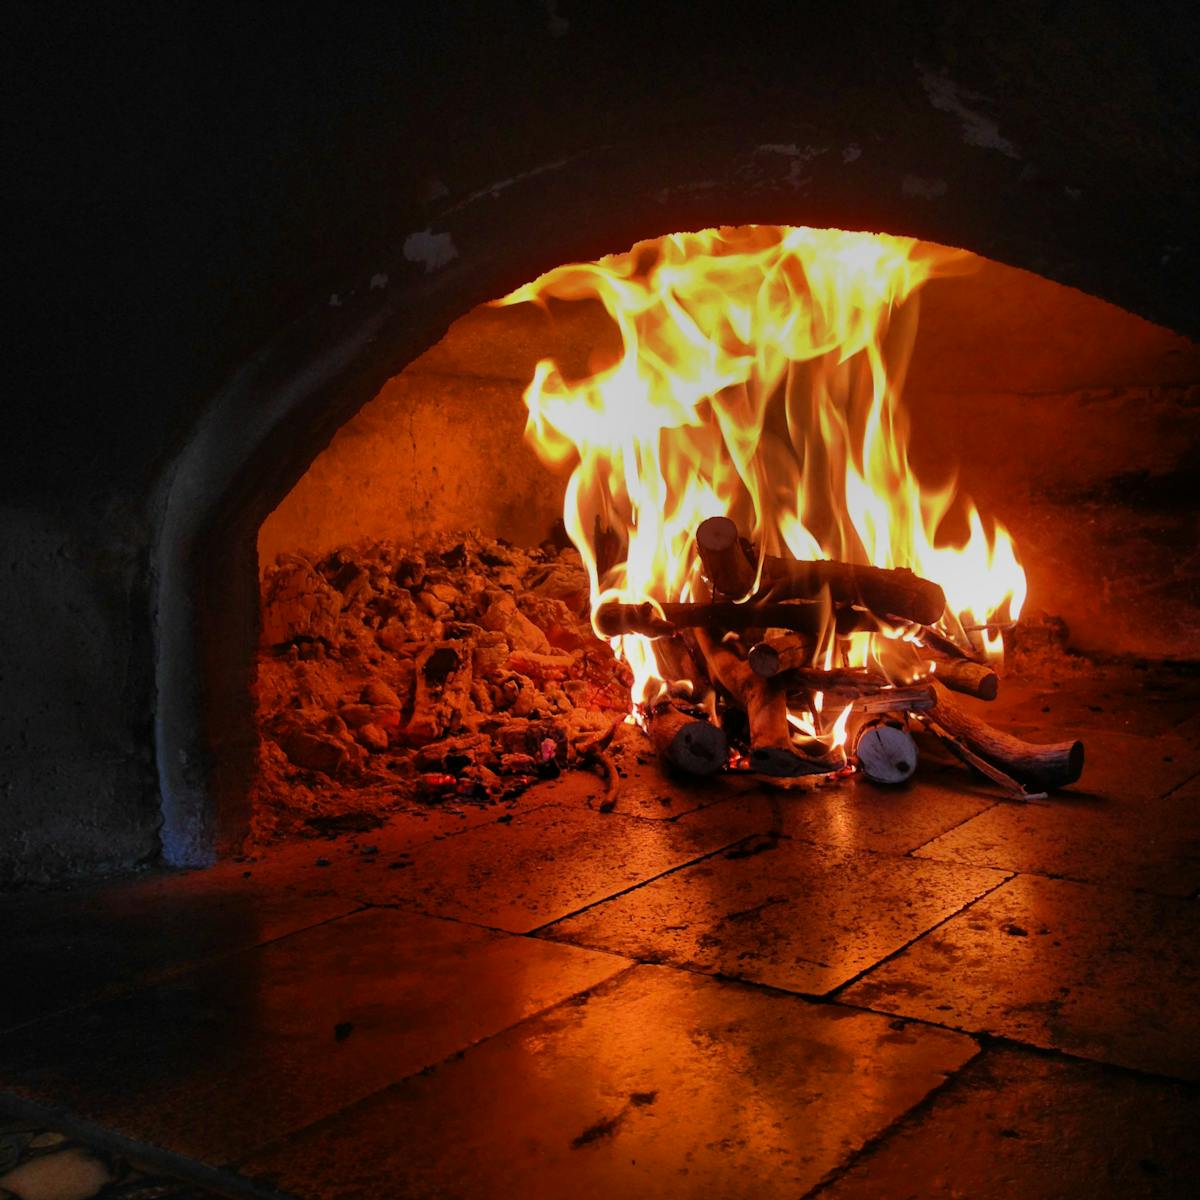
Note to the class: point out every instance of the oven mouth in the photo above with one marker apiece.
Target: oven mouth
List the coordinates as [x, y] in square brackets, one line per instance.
[424, 531]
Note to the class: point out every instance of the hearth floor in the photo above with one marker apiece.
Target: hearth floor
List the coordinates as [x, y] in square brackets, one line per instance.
[712, 991]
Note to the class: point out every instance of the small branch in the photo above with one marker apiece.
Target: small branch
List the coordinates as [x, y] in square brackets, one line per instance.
[612, 781]
[961, 751]
[942, 645]
[1044, 767]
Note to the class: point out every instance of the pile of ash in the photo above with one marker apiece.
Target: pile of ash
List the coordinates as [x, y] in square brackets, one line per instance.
[459, 670]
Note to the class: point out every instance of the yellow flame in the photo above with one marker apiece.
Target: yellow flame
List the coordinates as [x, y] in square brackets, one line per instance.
[760, 378]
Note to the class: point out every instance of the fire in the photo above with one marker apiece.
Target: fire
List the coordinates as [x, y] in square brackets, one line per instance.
[761, 378]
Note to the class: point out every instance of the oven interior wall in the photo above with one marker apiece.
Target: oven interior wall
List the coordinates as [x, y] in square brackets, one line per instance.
[1069, 419]
[442, 446]
[1077, 424]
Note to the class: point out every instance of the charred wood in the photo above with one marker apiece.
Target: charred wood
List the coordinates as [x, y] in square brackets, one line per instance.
[692, 743]
[654, 621]
[726, 563]
[443, 680]
[772, 751]
[847, 680]
[896, 592]
[1044, 767]
[969, 678]
[890, 592]
[774, 655]
[677, 664]
[917, 698]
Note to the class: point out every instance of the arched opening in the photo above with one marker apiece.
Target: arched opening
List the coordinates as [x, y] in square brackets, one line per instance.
[1064, 416]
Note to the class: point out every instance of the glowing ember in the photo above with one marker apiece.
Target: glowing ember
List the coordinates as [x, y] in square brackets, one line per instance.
[760, 379]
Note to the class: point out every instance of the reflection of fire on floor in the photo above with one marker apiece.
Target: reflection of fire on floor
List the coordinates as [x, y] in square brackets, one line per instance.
[712, 990]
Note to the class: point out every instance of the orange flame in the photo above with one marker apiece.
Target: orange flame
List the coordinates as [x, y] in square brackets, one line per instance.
[760, 378]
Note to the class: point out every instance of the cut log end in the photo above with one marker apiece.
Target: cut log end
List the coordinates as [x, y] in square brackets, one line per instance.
[969, 678]
[725, 562]
[718, 534]
[765, 660]
[692, 744]
[886, 753]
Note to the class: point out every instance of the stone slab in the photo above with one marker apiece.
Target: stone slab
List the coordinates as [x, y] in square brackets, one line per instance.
[1012, 1123]
[549, 862]
[1112, 698]
[1150, 844]
[646, 790]
[857, 814]
[60, 949]
[1129, 767]
[797, 916]
[1099, 973]
[226, 1058]
[661, 1084]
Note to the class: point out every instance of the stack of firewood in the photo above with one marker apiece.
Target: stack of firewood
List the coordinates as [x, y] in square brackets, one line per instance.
[755, 644]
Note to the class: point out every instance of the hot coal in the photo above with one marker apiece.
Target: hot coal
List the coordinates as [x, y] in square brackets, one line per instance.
[462, 669]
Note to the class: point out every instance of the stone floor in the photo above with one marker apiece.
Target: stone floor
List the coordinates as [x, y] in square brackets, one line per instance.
[714, 991]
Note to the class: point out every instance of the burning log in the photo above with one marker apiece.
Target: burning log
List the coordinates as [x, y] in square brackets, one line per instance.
[725, 561]
[943, 646]
[772, 656]
[691, 743]
[847, 681]
[917, 698]
[615, 619]
[677, 664]
[894, 592]
[886, 751]
[1043, 767]
[965, 754]
[862, 690]
[969, 678]
[771, 749]
[609, 547]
